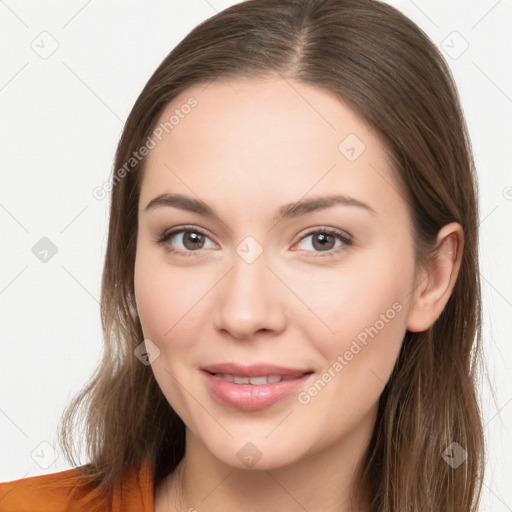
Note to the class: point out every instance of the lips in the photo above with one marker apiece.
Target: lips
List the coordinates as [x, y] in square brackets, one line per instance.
[255, 370]
[253, 387]
[255, 381]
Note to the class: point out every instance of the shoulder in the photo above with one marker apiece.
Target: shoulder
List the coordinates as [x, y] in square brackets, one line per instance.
[68, 491]
[56, 492]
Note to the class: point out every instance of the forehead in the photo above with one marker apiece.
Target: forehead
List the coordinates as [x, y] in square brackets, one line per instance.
[262, 117]
[267, 139]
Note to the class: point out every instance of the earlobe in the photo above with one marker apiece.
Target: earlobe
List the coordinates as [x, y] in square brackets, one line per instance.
[435, 283]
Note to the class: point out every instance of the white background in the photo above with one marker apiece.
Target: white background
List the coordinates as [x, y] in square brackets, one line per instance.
[61, 118]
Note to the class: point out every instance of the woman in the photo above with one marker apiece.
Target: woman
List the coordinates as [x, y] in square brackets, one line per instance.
[290, 299]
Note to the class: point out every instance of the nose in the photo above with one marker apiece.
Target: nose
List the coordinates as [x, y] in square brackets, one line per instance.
[250, 300]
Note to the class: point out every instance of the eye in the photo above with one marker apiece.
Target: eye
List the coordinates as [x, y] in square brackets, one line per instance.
[184, 241]
[323, 241]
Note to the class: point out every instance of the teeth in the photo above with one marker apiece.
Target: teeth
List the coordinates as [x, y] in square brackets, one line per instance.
[258, 380]
[255, 381]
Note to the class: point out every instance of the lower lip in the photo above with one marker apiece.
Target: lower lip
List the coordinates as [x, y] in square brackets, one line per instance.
[249, 397]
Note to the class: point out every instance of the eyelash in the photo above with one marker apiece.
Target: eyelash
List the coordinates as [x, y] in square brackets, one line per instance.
[341, 235]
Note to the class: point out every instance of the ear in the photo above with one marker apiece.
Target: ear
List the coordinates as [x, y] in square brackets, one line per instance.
[435, 283]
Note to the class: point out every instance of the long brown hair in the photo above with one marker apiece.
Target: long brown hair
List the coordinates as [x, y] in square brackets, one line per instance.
[379, 62]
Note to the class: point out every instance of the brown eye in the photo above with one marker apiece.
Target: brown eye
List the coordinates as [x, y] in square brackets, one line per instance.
[193, 240]
[327, 241]
[185, 241]
[322, 241]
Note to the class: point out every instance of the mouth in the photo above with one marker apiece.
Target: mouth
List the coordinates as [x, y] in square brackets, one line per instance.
[253, 387]
[256, 381]
[255, 370]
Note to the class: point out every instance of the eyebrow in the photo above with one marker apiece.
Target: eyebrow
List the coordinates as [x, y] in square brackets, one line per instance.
[287, 211]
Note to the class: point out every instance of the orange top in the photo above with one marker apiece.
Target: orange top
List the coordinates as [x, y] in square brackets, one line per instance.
[57, 493]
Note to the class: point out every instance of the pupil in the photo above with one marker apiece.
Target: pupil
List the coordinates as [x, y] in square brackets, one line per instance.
[194, 238]
[323, 240]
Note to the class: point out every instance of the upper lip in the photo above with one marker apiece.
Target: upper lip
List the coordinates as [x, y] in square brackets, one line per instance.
[254, 370]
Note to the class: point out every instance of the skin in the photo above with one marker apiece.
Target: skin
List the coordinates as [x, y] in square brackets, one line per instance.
[247, 148]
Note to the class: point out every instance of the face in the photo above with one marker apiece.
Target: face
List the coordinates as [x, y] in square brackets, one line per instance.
[315, 295]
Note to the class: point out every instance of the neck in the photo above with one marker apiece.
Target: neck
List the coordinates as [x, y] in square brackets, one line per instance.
[324, 481]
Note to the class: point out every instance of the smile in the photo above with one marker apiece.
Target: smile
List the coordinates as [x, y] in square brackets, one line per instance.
[255, 381]
[255, 387]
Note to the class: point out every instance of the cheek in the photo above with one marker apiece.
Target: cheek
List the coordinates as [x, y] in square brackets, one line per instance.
[360, 300]
[169, 300]
[154, 302]
[165, 304]
[366, 308]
